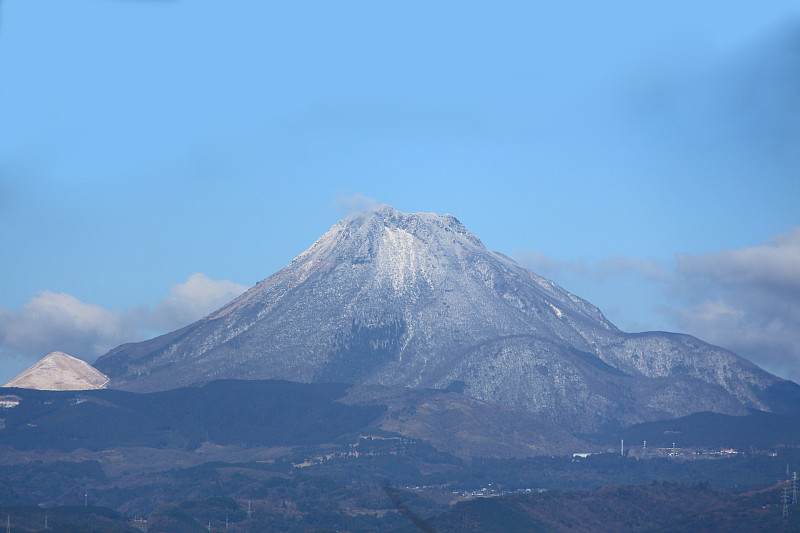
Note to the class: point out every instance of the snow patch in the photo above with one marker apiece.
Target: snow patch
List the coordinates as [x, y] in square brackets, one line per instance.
[399, 257]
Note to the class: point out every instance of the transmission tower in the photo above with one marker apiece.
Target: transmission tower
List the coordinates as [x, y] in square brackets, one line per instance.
[785, 502]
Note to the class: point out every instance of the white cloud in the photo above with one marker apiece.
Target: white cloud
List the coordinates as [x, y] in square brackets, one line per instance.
[54, 321]
[747, 300]
[192, 300]
[354, 203]
[773, 267]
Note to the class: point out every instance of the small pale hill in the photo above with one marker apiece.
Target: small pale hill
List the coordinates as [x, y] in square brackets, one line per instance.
[59, 371]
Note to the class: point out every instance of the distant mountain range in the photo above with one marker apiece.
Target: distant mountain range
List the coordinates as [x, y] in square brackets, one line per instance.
[416, 300]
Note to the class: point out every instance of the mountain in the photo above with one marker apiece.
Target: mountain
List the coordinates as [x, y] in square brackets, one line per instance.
[227, 413]
[59, 371]
[416, 300]
[268, 413]
[657, 507]
[463, 426]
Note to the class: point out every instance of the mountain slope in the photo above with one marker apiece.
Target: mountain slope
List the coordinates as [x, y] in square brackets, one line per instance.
[269, 413]
[416, 300]
[227, 413]
[657, 507]
[59, 371]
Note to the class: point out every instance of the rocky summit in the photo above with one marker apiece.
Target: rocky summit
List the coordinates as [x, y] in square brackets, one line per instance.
[416, 300]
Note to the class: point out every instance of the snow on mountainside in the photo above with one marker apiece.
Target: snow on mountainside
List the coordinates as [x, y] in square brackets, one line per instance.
[59, 371]
[416, 300]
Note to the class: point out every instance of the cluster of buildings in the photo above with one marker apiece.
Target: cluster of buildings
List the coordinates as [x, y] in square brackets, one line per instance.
[674, 452]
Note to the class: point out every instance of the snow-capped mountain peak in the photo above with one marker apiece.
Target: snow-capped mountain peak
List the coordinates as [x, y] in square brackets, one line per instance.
[385, 297]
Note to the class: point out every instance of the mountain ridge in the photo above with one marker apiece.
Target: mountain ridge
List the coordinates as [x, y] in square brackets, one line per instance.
[416, 300]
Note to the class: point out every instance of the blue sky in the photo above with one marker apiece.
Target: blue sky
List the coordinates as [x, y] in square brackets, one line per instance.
[157, 157]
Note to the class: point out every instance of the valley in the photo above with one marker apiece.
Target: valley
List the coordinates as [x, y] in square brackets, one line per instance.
[182, 464]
